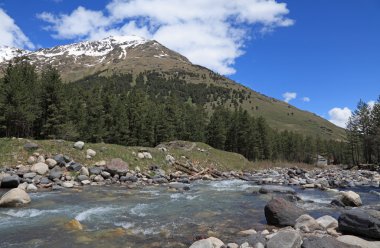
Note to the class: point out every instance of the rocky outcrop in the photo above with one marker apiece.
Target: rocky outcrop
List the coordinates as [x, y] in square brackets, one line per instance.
[359, 222]
[280, 212]
[14, 197]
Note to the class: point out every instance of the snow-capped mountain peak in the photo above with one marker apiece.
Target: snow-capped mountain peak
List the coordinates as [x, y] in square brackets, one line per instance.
[7, 53]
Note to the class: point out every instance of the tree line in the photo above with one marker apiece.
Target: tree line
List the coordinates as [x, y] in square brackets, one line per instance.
[138, 112]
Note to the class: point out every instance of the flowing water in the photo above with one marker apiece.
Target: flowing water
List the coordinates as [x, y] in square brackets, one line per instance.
[152, 216]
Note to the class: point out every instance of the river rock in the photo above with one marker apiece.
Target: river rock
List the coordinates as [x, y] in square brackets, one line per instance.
[306, 223]
[84, 171]
[14, 197]
[247, 232]
[40, 168]
[79, 145]
[86, 182]
[60, 159]
[41, 159]
[31, 188]
[324, 242]
[31, 146]
[68, 184]
[96, 170]
[31, 160]
[266, 189]
[350, 198]
[208, 243]
[51, 163]
[358, 242]
[82, 178]
[327, 222]
[360, 222]
[98, 178]
[117, 166]
[10, 181]
[91, 153]
[74, 225]
[280, 212]
[285, 239]
[105, 174]
[54, 173]
[74, 166]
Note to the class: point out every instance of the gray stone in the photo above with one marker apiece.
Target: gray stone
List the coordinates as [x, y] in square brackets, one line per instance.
[95, 170]
[324, 242]
[45, 180]
[327, 222]
[31, 188]
[105, 174]
[359, 222]
[351, 198]
[31, 146]
[51, 162]
[82, 178]
[358, 242]
[306, 223]
[117, 166]
[91, 153]
[74, 166]
[10, 181]
[285, 239]
[55, 173]
[40, 168]
[68, 184]
[280, 212]
[29, 175]
[208, 243]
[266, 189]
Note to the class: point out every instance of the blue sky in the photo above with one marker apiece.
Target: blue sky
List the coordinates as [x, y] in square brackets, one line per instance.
[327, 52]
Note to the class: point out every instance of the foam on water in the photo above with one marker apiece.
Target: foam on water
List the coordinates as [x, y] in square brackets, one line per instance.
[125, 225]
[230, 185]
[140, 209]
[29, 213]
[85, 215]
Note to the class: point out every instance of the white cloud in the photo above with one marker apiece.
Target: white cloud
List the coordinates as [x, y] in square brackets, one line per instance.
[10, 34]
[210, 33]
[288, 96]
[340, 116]
[306, 99]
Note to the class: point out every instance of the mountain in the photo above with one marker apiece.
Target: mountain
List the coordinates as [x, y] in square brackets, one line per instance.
[135, 55]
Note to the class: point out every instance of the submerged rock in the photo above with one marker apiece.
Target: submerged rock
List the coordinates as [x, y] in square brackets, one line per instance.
[74, 225]
[14, 197]
[280, 212]
[276, 189]
[359, 222]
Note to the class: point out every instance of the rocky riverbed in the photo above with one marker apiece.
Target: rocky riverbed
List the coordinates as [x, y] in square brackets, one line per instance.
[55, 201]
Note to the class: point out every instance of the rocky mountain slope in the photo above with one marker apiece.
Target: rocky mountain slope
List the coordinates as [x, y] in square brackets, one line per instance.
[131, 54]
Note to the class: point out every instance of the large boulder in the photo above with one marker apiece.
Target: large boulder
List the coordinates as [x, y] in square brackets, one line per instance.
[266, 189]
[350, 198]
[10, 181]
[285, 239]
[31, 146]
[358, 242]
[359, 222]
[117, 166]
[14, 197]
[208, 243]
[40, 168]
[281, 212]
[306, 223]
[324, 242]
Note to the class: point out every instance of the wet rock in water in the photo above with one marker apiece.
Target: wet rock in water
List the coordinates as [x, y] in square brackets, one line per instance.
[40, 168]
[79, 145]
[280, 212]
[324, 242]
[266, 189]
[10, 181]
[14, 197]
[208, 243]
[327, 222]
[74, 225]
[285, 239]
[360, 222]
[117, 166]
[179, 186]
[350, 198]
[306, 223]
[31, 146]
[358, 242]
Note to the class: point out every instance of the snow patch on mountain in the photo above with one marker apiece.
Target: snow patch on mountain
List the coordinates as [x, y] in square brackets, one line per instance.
[7, 53]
